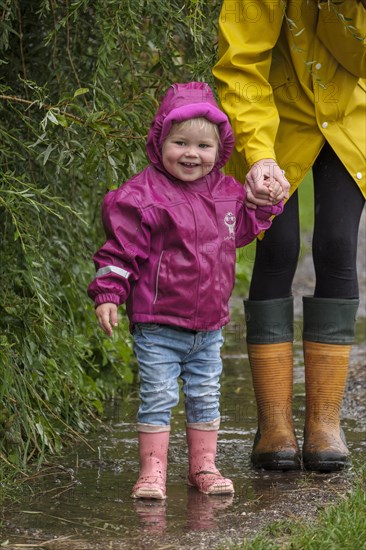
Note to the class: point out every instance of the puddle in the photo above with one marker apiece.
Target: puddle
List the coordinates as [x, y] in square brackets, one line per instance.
[86, 503]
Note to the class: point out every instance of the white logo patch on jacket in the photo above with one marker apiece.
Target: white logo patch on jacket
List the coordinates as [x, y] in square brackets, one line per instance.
[230, 221]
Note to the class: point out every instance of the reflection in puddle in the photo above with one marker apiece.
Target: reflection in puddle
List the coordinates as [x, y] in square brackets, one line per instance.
[88, 498]
[202, 509]
[152, 515]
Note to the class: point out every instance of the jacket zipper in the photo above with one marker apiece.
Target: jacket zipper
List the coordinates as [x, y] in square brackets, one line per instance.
[197, 253]
[157, 277]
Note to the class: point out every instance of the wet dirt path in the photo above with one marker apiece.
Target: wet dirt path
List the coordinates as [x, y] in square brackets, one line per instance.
[85, 503]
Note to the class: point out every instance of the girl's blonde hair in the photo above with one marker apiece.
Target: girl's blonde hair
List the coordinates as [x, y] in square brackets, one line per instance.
[203, 124]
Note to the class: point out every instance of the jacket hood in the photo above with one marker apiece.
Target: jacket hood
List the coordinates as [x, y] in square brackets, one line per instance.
[181, 102]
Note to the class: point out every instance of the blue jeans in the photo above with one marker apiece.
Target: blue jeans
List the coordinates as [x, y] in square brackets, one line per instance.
[165, 353]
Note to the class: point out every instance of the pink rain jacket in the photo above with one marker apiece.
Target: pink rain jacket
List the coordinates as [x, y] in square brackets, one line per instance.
[170, 248]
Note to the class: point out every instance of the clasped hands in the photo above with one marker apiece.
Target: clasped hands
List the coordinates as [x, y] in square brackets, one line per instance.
[265, 184]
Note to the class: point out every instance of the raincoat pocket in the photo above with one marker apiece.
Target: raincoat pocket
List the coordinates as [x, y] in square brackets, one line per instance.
[280, 73]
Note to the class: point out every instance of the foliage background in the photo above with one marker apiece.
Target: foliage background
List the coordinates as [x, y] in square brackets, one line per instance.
[79, 84]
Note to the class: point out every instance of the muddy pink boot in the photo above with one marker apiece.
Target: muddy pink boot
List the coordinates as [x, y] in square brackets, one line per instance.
[203, 473]
[153, 451]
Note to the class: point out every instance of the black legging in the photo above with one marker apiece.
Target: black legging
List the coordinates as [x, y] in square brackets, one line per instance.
[338, 208]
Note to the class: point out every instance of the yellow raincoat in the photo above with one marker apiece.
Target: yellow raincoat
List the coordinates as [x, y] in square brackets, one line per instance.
[291, 75]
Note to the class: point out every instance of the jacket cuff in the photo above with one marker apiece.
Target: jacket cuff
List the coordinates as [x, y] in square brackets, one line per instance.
[107, 298]
[260, 155]
[265, 212]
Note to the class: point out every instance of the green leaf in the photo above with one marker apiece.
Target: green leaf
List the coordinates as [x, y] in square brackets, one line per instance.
[52, 118]
[62, 120]
[47, 153]
[81, 91]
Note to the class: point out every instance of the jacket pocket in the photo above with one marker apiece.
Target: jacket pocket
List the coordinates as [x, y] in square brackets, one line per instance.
[280, 72]
[157, 277]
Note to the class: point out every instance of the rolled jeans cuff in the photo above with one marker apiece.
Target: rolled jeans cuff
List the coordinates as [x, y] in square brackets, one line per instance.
[205, 426]
[152, 428]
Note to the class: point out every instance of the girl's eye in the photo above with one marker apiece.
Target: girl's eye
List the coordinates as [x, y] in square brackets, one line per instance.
[204, 145]
[179, 143]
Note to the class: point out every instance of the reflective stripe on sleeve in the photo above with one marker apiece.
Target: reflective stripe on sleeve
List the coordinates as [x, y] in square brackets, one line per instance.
[112, 269]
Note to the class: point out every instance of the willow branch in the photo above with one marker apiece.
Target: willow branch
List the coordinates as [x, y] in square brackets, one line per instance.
[47, 107]
[21, 50]
[69, 116]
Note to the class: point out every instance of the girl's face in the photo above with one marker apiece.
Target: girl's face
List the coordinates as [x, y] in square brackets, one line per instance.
[190, 152]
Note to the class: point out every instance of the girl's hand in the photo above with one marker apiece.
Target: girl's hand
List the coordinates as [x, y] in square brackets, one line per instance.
[266, 184]
[107, 317]
[276, 193]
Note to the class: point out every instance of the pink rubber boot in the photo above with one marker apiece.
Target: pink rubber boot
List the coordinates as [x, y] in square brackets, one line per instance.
[153, 451]
[203, 473]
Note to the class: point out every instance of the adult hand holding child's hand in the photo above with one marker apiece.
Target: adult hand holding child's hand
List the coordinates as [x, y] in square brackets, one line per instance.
[266, 184]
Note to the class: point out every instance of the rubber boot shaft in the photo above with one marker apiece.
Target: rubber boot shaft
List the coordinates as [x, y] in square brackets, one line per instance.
[269, 321]
[329, 320]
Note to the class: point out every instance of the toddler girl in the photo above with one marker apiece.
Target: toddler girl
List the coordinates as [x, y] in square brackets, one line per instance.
[172, 231]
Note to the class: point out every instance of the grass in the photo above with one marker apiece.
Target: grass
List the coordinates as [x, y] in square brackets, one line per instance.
[306, 202]
[338, 526]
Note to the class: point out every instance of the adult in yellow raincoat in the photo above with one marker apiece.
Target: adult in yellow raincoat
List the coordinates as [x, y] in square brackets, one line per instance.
[290, 76]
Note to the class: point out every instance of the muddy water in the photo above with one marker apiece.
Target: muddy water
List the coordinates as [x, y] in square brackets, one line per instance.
[86, 503]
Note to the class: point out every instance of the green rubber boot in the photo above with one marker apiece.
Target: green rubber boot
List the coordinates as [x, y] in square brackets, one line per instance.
[328, 337]
[269, 341]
